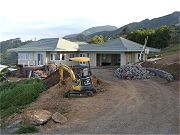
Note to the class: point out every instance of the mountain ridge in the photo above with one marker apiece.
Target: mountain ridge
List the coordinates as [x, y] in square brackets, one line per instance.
[170, 19]
[93, 30]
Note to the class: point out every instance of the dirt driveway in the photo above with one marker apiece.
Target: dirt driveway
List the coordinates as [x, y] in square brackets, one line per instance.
[127, 106]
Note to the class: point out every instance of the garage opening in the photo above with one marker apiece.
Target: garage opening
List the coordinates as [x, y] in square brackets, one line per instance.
[108, 59]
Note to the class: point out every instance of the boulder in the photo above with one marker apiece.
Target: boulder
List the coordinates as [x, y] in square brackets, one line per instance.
[59, 118]
[37, 117]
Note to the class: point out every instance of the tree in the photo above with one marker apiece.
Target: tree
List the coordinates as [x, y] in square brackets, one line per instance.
[162, 36]
[157, 38]
[175, 32]
[97, 40]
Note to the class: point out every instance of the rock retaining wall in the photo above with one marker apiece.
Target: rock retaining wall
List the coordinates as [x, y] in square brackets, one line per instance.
[132, 72]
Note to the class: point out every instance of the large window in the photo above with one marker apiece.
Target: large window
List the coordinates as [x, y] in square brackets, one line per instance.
[71, 55]
[25, 56]
[59, 57]
[40, 59]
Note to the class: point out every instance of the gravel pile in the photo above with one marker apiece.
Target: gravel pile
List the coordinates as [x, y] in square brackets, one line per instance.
[132, 72]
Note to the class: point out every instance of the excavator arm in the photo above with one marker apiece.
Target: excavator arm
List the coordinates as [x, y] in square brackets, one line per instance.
[82, 83]
[68, 69]
[63, 68]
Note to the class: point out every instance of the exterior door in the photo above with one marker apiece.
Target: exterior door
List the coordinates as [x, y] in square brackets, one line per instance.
[98, 60]
[40, 59]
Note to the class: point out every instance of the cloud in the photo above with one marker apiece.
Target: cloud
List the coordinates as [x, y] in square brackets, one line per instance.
[41, 29]
[36, 18]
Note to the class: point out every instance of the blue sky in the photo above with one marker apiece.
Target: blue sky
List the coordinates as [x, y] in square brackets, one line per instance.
[29, 19]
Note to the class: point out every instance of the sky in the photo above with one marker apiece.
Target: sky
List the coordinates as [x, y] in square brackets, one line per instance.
[36, 19]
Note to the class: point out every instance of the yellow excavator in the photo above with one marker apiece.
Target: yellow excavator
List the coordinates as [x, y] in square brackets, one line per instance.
[80, 77]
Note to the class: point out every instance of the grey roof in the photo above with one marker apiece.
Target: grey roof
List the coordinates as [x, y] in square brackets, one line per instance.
[115, 45]
[56, 44]
[48, 44]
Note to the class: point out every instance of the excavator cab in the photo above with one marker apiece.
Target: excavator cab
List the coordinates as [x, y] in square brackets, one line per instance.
[81, 77]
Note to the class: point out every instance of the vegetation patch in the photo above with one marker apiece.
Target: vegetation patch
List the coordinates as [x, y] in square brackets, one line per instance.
[27, 129]
[170, 49]
[166, 51]
[14, 96]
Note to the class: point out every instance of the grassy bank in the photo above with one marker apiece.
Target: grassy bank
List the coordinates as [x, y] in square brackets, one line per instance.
[170, 50]
[166, 51]
[14, 96]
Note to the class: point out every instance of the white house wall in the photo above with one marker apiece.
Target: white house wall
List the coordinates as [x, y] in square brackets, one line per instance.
[92, 57]
[25, 61]
[123, 59]
[66, 61]
[33, 61]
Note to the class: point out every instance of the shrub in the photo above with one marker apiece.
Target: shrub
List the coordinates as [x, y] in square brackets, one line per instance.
[7, 85]
[15, 95]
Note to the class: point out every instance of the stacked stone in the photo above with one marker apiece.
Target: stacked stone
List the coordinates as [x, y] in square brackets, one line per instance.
[132, 72]
[161, 73]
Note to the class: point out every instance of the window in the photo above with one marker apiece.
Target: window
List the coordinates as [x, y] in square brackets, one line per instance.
[71, 55]
[141, 57]
[81, 55]
[21, 56]
[55, 56]
[62, 56]
[40, 59]
[52, 56]
[29, 56]
[25, 56]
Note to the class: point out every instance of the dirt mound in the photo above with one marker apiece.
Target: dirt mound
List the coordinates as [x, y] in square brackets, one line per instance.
[52, 79]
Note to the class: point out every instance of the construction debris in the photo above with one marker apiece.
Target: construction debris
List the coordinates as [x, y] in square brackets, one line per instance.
[40, 73]
[132, 72]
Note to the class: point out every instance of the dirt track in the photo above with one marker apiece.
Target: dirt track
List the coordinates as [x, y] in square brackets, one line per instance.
[136, 106]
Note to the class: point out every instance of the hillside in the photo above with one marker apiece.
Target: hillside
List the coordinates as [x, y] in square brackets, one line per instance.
[6, 57]
[171, 19]
[90, 31]
[98, 29]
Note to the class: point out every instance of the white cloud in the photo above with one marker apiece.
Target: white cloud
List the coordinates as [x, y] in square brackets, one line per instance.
[21, 15]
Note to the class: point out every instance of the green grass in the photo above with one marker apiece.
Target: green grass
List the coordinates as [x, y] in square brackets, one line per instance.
[14, 96]
[166, 51]
[27, 129]
[170, 50]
